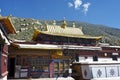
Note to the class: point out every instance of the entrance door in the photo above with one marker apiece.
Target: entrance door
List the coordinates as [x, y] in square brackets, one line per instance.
[11, 68]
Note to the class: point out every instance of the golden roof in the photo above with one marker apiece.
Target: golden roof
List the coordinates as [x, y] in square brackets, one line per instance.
[64, 25]
[54, 29]
[8, 23]
[66, 31]
[67, 35]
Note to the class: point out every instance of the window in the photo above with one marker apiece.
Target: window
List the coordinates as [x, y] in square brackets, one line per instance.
[114, 57]
[61, 67]
[95, 58]
[66, 65]
[56, 67]
[39, 64]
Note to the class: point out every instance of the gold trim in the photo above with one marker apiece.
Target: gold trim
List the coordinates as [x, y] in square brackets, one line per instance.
[9, 24]
[76, 36]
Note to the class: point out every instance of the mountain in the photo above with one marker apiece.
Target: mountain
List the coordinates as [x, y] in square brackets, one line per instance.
[25, 29]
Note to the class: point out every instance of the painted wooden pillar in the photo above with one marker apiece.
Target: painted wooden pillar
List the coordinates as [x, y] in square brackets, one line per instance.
[51, 67]
[3, 61]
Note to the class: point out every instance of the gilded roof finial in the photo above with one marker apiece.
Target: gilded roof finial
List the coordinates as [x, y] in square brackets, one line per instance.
[64, 21]
[54, 22]
[64, 25]
[73, 25]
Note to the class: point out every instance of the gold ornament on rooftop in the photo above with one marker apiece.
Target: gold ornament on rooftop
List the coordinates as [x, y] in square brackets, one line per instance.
[64, 25]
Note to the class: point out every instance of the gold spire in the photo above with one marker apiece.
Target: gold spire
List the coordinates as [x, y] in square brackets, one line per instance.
[54, 22]
[64, 25]
[73, 25]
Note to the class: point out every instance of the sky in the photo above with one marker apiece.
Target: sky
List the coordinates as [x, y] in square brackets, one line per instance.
[102, 12]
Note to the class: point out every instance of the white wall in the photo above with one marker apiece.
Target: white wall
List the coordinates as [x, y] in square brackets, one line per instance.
[6, 41]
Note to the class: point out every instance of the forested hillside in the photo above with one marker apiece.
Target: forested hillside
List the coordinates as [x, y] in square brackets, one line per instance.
[25, 29]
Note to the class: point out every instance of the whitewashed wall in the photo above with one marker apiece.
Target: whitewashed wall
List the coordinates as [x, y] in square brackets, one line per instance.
[100, 71]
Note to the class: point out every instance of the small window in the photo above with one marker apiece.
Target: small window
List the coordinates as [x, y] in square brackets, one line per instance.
[95, 58]
[114, 57]
[56, 67]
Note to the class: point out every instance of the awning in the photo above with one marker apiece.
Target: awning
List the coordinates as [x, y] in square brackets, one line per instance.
[36, 46]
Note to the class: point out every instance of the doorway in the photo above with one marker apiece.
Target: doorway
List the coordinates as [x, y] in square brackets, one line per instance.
[11, 68]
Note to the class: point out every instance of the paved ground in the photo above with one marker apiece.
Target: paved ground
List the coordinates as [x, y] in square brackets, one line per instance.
[69, 78]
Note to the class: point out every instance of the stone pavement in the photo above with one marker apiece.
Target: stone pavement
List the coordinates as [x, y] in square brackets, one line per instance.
[68, 78]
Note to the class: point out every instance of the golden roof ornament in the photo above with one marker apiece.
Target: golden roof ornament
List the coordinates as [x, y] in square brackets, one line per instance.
[73, 25]
[54, 22]
[64, 25]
